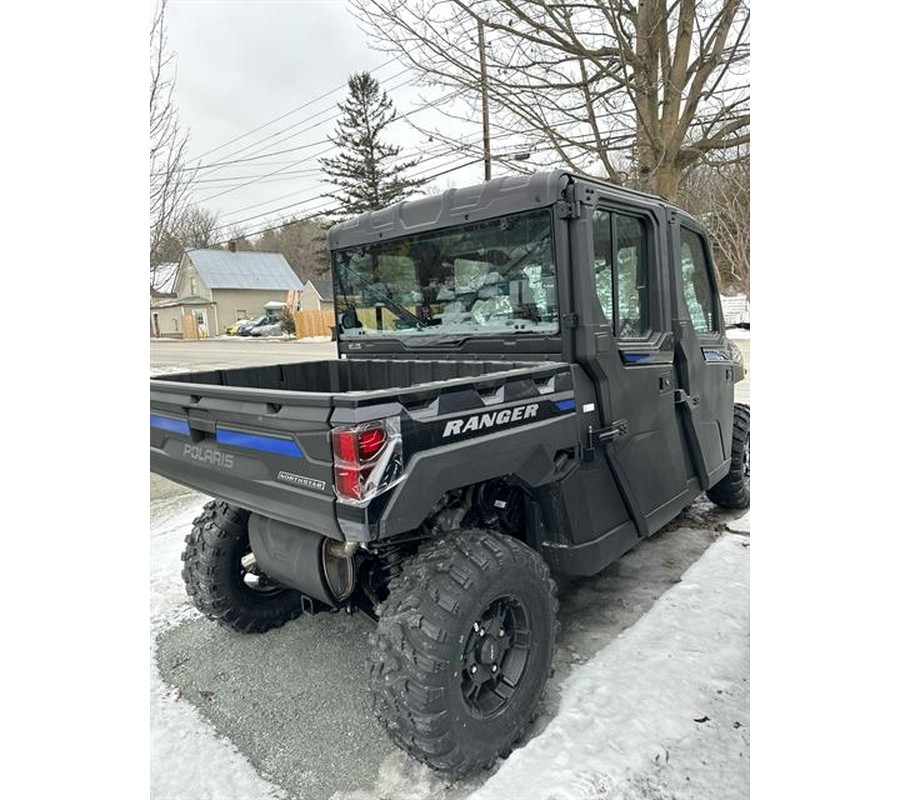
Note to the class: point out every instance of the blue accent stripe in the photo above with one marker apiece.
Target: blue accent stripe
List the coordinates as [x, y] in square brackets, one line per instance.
[251, 441]
[635, 357]
[565, 405]
[169, 424]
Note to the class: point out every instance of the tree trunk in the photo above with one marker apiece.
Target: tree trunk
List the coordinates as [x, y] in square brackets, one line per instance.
[665, 181]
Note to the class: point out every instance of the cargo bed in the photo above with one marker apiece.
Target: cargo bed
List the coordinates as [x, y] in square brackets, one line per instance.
[258, 436]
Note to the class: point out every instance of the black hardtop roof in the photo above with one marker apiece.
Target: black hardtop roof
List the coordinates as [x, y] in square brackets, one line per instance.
[472, 203]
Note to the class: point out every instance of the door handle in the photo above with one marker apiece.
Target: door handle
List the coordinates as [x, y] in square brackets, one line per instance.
[692, 401]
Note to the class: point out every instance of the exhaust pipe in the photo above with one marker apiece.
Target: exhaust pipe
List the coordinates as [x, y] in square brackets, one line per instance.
[313, 564]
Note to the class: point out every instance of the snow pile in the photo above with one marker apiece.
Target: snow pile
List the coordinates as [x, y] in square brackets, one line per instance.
[662, 711]
[739, 525]
[188, 761]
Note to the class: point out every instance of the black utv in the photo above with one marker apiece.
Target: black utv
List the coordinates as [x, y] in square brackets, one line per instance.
[532, 377]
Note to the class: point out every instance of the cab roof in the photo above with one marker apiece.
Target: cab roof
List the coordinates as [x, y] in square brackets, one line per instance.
[493, 198]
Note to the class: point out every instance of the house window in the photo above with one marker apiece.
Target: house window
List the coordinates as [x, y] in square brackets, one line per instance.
[193, 287]
[241, 313]
[620, 272]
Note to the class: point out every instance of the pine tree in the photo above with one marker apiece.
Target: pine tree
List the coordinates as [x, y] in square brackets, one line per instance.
[365, 180]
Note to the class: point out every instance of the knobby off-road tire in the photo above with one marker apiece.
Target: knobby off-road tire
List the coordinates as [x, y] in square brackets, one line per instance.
[428, 639]
[733, 491]
[215, 578]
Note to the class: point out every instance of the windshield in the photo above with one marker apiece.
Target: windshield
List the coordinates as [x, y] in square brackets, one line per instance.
[487, 278]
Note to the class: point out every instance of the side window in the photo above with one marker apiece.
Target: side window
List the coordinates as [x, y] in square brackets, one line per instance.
[698, 290]
[633, 317]
[620, 272]
[603, 261]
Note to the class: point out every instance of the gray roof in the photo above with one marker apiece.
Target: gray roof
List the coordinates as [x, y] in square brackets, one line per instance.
[222, 269]
[324, 287]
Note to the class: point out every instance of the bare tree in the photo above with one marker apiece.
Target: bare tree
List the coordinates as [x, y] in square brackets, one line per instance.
[170, 180]
[193, 227]
[237, 235]
[719, 195]
[636, 91]
[302, 242]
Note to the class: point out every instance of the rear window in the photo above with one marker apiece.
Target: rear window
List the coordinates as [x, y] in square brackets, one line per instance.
[485, 278]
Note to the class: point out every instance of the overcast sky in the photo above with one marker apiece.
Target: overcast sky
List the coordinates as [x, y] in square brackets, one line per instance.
[242, 64]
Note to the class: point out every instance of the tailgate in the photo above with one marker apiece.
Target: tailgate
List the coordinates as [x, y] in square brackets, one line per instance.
[264, 450]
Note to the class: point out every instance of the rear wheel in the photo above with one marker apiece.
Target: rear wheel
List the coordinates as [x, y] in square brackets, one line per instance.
[733, 491]
[221, 576]
[463, 649]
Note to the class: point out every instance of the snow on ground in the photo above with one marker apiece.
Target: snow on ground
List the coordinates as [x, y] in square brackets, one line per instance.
[662, 712]
[739, 525]
[737, 333]
[180, 738]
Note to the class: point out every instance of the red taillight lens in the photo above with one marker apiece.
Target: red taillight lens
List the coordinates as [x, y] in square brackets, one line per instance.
[370, 442]
[346, 482]
[343, 443]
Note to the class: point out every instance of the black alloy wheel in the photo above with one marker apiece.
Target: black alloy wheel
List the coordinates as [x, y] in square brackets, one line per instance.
[495, 656]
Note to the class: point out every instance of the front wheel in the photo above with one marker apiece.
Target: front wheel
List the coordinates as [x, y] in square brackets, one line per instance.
[463, 649]
[733, 491]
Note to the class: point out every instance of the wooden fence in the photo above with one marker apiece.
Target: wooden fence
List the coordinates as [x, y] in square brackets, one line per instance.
[189, 326]
[313, 323]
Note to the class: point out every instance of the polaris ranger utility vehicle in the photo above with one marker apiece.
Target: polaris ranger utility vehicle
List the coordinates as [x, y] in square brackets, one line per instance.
[533, 376]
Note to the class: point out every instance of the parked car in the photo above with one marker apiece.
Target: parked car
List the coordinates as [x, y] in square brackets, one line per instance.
[249, 325]
[268, 329]
[231, 330]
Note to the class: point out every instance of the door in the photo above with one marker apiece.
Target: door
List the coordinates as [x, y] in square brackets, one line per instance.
[704, 370]
[630, 357]
[202, 330]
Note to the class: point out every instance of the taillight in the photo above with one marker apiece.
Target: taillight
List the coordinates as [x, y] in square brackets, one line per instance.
[346, 483]
[370, 442]
[343, 442]
[368, 459]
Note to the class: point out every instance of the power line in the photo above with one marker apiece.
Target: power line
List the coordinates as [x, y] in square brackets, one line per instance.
[300, 203]
[288, 113]
[229, 160]
[328, 209]
[310, 158]
[308, 119]
[430, 157]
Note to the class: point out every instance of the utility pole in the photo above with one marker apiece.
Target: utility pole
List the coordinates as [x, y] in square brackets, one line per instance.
[484, 104]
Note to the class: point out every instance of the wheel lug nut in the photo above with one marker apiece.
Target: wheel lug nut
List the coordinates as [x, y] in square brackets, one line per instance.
[481, 632]
[474, 669]
[494, 668]
[501, 632]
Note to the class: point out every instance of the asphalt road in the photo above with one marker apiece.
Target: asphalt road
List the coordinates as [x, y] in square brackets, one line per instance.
[295, 702]
[233, 351]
